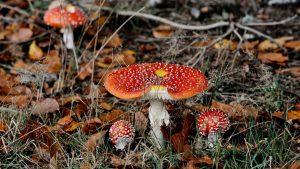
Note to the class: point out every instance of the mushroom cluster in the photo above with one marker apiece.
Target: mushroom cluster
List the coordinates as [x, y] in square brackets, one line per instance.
[66, 17]
[156, 82]
[210, 123]
[121, 133]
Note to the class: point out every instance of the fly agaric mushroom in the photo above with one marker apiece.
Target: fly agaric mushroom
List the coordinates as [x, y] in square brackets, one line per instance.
[65, 17]
[156, 82]
[121, 133]
[210, 122]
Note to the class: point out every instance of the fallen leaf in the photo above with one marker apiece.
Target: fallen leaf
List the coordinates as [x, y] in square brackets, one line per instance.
[295, 45]
[295, 165]
[272, 58]
[4, 33]
[21, 35]
[291, 115]
[162, 31]
[226, 44]
[140, 121]
[115, 41]
[53, 61]
[20, 90]
[117, 161]
[267, 45]
[105, 105]
[294, 71]
[20, 101]
[35, 52]
[126, 57]
[85, 71]
[235, 110]
[63, 122]
[69, 99]
[200, 44]
[91, 125]
[91, 144]
[297, 106]
[200, 160]
[3, 126]
[71, 127]
[113, 116]
[250, 45]
[45, 106]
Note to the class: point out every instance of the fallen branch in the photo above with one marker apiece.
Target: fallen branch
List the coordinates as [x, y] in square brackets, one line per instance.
[260, 34]
[272, 23]
[20, 11]
[162, 20]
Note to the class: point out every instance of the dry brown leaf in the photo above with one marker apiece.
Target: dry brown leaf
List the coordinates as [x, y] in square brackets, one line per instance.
[295, 45]
[69, 99]
[250, 45]
[35, 52]
[91, 125]
[200, 160]
[20, 90]
[3, 126]
[291, 115]
[45, 106]
[235, 110]
[114, 42]
[4, 33]
[20, 101]
[105, 105]
[53, 61]
[85, 71]
[63, 122]
[126, 57]
[140, 121]
[226, 44]
[294, 71]
[21, 35]
[273, 58]
[91, 144]
[295, 165]
[297, 106]
[117, 161]
[113, 116]
[200, 44]
[162, 31]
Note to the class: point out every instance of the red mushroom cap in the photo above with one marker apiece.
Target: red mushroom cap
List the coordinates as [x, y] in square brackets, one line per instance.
[121, 131]
[212, 120]
[63, 16]
[135, 81]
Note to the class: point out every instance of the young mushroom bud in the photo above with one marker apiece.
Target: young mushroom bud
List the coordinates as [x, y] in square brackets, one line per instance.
[210, 123]
[121, 133]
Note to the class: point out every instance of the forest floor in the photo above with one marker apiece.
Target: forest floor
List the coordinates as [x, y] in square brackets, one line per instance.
[56, 113]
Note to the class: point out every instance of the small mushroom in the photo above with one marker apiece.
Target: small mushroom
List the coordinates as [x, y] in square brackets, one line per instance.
[156, 82]
[66, 17]
[210, 123]
[121, 133]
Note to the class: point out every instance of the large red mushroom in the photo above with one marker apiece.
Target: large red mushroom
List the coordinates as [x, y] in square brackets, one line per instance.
[156, 82]
[66, 17]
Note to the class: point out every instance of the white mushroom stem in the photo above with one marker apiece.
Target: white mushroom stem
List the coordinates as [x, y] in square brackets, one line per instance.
[158, 116]
[122, 142]
[68, 37]
[212, 139]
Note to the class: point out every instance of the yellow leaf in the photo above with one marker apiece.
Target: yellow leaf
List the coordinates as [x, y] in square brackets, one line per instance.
[35, 52]
[291, 115]
[226, 44]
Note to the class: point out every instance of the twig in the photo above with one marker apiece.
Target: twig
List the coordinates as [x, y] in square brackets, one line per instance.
[272, 23]
[260, 34]
[15, 9]
[162, 20]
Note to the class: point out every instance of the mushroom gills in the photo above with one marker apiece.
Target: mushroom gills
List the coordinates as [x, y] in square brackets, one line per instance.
[158, 116]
